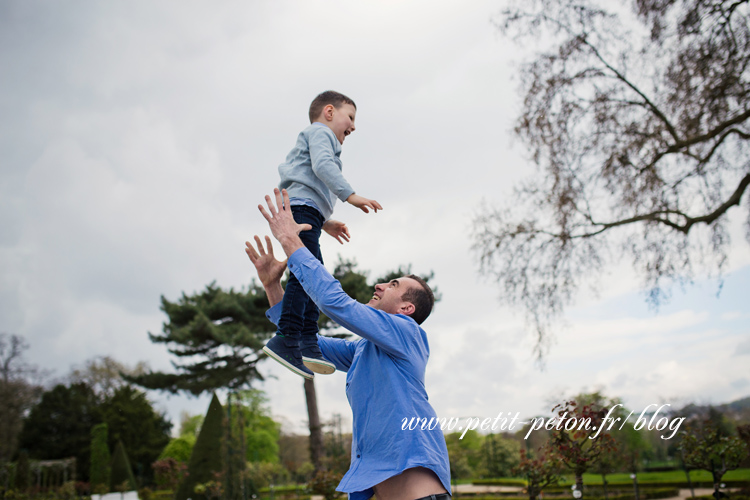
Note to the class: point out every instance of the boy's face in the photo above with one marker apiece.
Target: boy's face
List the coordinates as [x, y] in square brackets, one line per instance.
[340, 120]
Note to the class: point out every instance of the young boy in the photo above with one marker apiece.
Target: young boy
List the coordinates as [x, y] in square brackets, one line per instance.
[312, 176]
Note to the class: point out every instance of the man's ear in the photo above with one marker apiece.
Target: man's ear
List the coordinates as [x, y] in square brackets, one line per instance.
[408, 309]
[328, 110]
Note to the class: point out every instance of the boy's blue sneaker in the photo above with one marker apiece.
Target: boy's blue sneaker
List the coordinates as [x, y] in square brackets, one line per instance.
[313, 358]
[286, 351]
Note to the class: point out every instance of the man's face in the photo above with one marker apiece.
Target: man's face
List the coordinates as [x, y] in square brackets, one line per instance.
[342, 122]
[387, 296]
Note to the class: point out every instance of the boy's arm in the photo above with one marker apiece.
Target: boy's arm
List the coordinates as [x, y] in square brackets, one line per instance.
[322, 143]
[322, 156]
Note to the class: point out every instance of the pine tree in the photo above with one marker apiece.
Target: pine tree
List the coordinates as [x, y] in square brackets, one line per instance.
[207, 459]
[100, 457]
[121, 478]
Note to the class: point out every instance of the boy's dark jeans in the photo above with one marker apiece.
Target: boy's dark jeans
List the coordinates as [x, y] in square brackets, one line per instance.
[299, 314]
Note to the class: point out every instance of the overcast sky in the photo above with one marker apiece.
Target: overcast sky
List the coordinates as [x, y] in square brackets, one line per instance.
[137, 139]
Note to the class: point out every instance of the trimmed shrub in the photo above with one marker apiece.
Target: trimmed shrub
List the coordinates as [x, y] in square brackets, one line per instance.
[121, 475]
[100, 458]
[206, 459]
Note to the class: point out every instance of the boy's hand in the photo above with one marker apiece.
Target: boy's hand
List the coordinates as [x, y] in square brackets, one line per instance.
[268, 268]
[363, 203]
[337, 229]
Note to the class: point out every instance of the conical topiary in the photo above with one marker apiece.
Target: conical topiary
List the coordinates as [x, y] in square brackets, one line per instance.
[121, 475]
[206, 459]
[100, 459]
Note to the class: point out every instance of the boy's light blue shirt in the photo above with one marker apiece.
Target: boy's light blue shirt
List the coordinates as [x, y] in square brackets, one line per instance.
[384, 383]
[312, 170]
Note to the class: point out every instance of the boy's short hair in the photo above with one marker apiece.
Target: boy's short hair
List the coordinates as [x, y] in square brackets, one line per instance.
[422, 298]
[326, 98]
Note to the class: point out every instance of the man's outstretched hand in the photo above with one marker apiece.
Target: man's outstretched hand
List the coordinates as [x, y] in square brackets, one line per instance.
[281, 222]
[268, 268]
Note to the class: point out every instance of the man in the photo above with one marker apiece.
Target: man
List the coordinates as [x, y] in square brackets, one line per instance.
[385, 368]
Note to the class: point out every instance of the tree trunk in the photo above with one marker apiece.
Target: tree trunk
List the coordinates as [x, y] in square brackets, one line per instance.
[316, 430]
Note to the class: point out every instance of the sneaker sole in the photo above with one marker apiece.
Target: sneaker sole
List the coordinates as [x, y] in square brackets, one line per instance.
[318, 365]
[288, 365]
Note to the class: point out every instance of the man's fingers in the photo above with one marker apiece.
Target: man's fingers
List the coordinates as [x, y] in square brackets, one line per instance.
[305, 227]
[285, 195]
[269, 245]
[251, 251]
[280, 201]
[261, 251]
[264, 213]
[271, 207]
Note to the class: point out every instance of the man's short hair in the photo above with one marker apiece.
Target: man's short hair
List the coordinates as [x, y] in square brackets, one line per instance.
[326, 98]
[422, 298]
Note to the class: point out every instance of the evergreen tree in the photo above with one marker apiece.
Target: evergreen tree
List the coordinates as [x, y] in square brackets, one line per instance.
[144, 432]
[100, 457]
[121, 478]
[207, 459]
[59, 426]
[219, 334]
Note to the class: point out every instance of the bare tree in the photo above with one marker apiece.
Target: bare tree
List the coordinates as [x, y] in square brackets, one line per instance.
[104, 374]
[638, 123]
[18, 392]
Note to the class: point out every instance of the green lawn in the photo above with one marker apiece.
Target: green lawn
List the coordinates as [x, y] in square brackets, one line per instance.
[662, 477]
[644, 477]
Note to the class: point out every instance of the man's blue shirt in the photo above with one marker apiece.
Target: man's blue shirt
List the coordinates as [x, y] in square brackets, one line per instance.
[384, 383]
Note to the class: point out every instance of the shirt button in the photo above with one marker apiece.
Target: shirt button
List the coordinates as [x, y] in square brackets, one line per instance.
[357, 456]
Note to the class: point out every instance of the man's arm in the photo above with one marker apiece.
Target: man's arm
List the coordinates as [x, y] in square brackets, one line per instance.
[338, 351]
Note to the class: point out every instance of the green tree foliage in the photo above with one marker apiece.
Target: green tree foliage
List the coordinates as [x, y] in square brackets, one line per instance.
[639, 123]
[190, 425]
[179, 449]
[499, 455]
[464, 454]
[18, 392]
[217, 336]
[207, 457]
[261, 431]
[133, 421]
[100, 457]
[121, 477]
[710, 444]
[59, 426]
